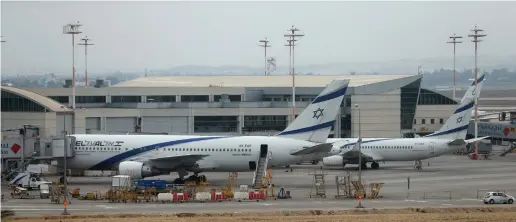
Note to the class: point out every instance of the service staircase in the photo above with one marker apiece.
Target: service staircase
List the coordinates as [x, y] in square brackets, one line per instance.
[11, 170]
[261, 171]
[319, 185]
[512, 148]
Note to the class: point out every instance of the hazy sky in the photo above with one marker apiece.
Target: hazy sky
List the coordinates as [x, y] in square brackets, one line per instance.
[132, 36]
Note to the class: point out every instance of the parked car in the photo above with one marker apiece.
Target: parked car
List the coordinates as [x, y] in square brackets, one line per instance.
[498, 197]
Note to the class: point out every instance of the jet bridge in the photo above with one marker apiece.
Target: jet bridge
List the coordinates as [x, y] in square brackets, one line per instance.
[59, 144]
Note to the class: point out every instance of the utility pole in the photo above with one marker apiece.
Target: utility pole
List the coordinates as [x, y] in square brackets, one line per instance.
[476, 40]
[85, 44]
[454, 42]
[265, 46]
[72, 29]
[291, 43]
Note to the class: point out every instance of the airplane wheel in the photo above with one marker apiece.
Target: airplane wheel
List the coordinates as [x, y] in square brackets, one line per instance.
[179, 181]
[375, 165]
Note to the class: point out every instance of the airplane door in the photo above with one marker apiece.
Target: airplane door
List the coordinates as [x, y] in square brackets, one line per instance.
[431, 148]
[263, 150]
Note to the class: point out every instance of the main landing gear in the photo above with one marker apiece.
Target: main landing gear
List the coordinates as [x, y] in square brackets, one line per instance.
[374, 166]
[418, 165]
[195, 177]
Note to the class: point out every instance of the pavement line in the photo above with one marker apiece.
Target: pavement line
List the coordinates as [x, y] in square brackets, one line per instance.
[25, 209]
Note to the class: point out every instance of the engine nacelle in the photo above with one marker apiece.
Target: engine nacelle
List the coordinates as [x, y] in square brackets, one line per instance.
[137, 170]
[335, 160]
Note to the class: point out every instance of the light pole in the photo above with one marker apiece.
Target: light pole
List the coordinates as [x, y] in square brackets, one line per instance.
[291, 40]
[85, 44]
[454, 42]
[359, 147]
[359, 143]
[265, 46]
[476, 40]
[72, 29]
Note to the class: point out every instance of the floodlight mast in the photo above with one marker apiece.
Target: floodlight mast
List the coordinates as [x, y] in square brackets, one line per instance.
[476, 40]
[454, 42]
[291, 43]
[85, 44]
[265, 46]
[73, 29]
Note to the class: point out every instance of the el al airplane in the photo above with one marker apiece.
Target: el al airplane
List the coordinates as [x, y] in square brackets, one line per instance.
[446, 140]
[150, 155]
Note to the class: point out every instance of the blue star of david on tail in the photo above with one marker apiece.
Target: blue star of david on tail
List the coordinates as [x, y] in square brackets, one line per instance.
[459, 120]
[318, 113]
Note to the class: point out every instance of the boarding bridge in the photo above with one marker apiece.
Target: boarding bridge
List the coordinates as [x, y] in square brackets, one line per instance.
[60, 143]
[261, 169]
[11, 170]
[511, 149]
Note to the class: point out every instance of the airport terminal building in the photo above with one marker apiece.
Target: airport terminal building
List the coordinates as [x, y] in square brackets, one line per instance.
[250, 105]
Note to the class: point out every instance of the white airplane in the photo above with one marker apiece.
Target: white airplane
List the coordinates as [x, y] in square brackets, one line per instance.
[150, 155]
[448, 139]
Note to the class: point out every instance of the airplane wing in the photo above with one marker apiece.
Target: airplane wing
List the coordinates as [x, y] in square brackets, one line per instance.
[367, 155]
[320, 148]
[458, 142]
[172, 161]
[372, 156]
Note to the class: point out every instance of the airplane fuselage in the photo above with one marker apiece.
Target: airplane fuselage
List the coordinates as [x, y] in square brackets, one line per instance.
[400, 149]
[223, 154]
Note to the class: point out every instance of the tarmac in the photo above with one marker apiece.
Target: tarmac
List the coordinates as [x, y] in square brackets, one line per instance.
[444, 181]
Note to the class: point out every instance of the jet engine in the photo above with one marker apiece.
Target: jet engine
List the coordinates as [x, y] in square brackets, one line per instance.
[335, 160]
[137, 170]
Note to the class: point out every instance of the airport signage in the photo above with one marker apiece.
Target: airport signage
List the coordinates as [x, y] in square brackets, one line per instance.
[496, 130]
[101, 143]
[12, 148]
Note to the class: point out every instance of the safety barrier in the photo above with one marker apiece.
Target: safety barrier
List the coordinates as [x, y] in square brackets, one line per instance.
[437, 195]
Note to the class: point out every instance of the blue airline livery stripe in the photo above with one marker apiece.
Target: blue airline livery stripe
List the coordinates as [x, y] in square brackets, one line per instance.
[479, 80]
[107, 163]
[454, 130]
[18, 180]
[464, 108]
[310, 128]
[366, 141]
[331, 95]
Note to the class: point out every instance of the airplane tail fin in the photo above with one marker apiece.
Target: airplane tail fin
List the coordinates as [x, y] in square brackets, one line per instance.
[457, 125]
[357, 145]
[315, 122]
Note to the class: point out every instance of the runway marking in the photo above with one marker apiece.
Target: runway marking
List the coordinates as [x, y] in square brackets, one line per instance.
[106, 207]
[471, 199]
[25, 209]
[422, 201]
[446, 204]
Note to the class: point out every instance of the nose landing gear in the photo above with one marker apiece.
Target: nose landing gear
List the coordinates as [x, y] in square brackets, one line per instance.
[418, 165]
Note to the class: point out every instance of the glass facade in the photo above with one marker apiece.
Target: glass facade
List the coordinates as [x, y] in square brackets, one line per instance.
[90, 99]
[409, 99]
[161, 99]
[15, 103]
[206, 124]
[195, 98]
[232, 98]
[126, 99]
[427, 97]
[345, 126]
[61, 99]
[265, 123]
